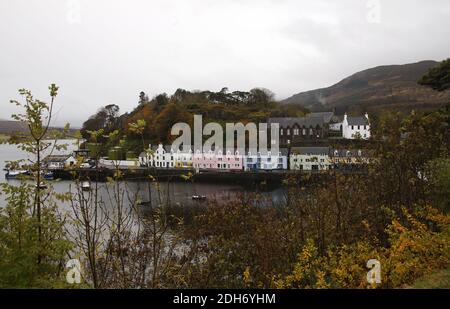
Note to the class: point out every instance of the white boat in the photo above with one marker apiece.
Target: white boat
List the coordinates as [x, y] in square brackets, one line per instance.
[42, 186]
[86, 186]
[49, 175]
[199, 197]
[13, 174]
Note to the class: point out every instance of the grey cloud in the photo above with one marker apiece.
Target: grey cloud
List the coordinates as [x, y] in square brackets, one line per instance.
[121, 47]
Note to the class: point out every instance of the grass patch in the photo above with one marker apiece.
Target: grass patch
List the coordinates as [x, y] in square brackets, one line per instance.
[4, 138]
[437, 280]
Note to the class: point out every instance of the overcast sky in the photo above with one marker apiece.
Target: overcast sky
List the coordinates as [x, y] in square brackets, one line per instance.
[106, 51]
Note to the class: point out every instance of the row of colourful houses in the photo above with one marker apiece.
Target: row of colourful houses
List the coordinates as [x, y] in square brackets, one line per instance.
[166, 157]
[297, 158]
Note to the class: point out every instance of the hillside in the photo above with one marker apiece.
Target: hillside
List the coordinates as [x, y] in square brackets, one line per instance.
[163, 111]
[10, 126]
[393, 86]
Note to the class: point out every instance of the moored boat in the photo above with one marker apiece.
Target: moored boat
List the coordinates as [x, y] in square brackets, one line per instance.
[199, 197]
[14, 174]
[42, 186]
[86, 186]
[48, 176]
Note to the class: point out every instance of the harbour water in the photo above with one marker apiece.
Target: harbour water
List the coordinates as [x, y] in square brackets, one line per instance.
[173, 193]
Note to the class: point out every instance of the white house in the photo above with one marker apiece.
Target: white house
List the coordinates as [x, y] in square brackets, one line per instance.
[310, 159]
[59, 161]
[144, 159]
[266, 160]
[105, 162]
[167, 157]
[356, 127]
[162, 157]
[183, 158]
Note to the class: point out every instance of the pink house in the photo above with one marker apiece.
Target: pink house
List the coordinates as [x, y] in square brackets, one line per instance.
[204, 160]
[217, 160]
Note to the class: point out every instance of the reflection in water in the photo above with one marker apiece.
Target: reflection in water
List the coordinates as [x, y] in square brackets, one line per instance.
[164, 193]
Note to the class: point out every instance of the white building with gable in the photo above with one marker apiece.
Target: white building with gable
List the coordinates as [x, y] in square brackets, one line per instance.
[356, 127]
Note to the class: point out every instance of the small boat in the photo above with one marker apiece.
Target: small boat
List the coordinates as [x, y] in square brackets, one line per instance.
[86, 186]
[14, 174]
[49, 176]
[144, 204]
[41, 186]
[199, 197]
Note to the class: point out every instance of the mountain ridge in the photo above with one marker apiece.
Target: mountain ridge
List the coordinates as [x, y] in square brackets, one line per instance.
[385, 86]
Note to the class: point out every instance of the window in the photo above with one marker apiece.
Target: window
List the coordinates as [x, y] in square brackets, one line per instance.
[304, 131]
[296, 131]
[281, 132]
[288, 132]
[311, 132]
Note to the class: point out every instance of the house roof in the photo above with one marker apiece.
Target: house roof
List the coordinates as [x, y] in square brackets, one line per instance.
[310, 150]
[358, 121]
[327, 116]
[167, 148]
[337, 119]
[56, 158]
[284, 152]
[299, 121]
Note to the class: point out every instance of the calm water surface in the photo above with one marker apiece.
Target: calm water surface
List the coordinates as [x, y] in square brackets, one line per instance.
[174, 193]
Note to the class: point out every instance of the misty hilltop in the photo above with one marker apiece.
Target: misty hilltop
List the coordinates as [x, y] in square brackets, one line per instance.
[392, 86]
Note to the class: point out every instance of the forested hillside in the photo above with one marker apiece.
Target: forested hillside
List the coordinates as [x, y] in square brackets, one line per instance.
[163, 111]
